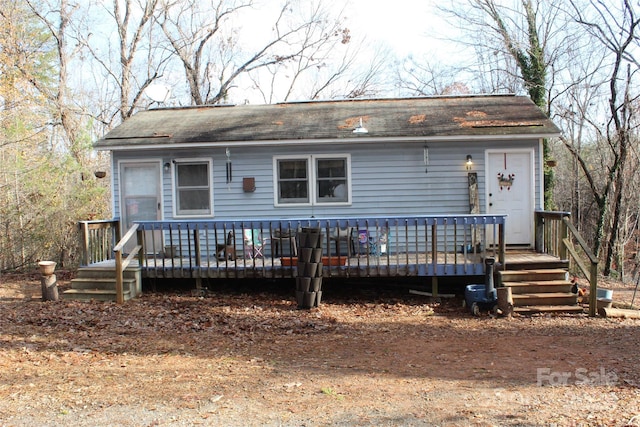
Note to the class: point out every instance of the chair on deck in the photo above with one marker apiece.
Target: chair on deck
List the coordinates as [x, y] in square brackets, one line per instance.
[253, 243]
[284, 239]
[343, 235]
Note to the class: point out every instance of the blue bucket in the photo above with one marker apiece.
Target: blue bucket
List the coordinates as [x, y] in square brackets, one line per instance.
[475, 293]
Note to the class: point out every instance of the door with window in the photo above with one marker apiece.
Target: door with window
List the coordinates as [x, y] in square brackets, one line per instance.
[510, 191]
[140, 192]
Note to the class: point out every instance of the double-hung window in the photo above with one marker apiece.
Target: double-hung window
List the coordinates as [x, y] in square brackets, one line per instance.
[193, 188]
[312, 180]
[293, 181]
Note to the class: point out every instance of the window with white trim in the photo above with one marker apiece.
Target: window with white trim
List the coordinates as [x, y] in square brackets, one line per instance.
[193, 188]
[293, 181]
[312, 180]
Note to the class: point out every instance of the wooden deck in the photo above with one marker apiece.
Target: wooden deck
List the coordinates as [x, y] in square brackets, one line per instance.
[425, 245]
[384, 265]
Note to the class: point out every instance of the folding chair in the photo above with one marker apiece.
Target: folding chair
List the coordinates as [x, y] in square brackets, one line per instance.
[253, 243]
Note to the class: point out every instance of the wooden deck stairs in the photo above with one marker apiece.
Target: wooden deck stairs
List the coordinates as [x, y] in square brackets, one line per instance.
[540, 286]
[98, 283]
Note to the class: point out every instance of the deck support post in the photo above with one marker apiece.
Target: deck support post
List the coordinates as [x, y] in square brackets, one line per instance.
[84, 242]
[198, 254]
[434, 286]
[539, 233]
[119, 278]
[434, 247]
[502, 247]
[143, 249]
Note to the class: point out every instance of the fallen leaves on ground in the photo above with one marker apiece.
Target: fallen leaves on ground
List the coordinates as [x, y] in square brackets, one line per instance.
[236, 357]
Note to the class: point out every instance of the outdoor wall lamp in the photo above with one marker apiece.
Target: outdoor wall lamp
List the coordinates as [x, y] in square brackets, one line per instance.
[167, 167]
[360, 128]
[469, 162]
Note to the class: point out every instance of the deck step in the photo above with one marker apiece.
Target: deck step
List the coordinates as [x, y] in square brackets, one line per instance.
[98, 283]
[533, 274]
[93, 295]
[105, 284]
[109, 271]
[540, 290]
[537, 286]
[533, 309]
[545, 298]
[536, 264]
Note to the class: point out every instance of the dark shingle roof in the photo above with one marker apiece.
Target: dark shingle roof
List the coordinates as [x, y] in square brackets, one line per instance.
[427, 118]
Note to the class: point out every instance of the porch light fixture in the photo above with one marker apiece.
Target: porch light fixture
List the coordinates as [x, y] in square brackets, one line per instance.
[469, 163]
[360, 128]
[167, 167]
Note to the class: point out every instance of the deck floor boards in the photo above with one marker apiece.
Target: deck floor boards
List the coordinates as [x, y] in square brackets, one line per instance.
[384, 265]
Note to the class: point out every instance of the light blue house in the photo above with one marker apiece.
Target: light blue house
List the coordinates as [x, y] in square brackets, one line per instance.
[416, 186]
[360, 158]
[428, 187]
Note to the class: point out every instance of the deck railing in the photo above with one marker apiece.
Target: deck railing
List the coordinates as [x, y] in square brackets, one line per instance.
[97, 239]
[360, 247]
[555, 235]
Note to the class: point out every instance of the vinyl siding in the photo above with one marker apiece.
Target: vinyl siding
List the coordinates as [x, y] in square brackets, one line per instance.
[386, 179]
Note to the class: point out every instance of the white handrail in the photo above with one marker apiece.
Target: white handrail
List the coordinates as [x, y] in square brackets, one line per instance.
[122, 265]
[130, 233]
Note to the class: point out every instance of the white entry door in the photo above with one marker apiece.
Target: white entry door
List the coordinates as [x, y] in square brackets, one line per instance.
[140, 190]
[510, 191]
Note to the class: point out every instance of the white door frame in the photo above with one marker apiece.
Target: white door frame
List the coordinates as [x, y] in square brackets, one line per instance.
[490, 176]
[158, 239]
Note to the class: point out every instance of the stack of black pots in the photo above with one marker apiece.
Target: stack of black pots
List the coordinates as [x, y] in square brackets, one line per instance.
[309, 279]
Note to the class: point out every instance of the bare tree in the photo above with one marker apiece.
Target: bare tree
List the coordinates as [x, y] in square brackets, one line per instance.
[417, 78]
[206, 43]
[129, 45]
[617, 30]
[522, 33]
[314, 56]
[325, 74]
[370, 79]
[57, 17]
[577, 63]
[126, 67]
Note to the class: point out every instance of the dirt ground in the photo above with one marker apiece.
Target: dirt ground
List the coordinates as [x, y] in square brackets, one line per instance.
[238, 357]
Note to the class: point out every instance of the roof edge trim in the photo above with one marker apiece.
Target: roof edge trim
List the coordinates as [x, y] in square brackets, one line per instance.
[296, 142]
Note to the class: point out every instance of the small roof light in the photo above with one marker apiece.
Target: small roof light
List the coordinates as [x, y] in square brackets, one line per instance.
[360, 128]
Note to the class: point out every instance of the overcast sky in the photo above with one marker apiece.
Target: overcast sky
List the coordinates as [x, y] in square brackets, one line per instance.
[408, 26]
